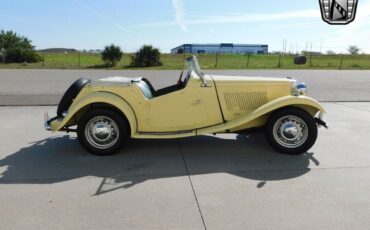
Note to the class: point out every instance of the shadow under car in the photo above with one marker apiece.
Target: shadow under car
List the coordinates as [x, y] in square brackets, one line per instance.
[59, 159]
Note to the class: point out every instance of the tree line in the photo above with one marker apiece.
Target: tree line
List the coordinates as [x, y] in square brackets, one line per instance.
[146, 56]
[15, 48]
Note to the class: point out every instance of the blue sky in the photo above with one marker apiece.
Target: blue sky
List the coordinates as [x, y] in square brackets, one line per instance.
[91, 24]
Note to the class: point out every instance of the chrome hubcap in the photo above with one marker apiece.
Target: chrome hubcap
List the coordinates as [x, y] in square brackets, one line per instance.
[102, 132]
[290, 131]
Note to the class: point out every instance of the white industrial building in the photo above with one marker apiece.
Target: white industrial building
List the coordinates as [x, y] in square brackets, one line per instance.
[222, 48]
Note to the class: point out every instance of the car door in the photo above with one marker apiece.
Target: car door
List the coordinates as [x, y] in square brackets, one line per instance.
[186, 109]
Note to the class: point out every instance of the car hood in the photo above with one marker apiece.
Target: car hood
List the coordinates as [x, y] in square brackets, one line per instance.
[115, 81]
[238, 80]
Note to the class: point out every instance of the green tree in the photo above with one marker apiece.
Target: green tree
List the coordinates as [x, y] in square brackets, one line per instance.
[353, 50]
[16, 49]
[146, 56]
[111, 55]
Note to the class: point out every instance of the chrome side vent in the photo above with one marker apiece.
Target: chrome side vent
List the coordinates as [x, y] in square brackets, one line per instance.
[244, 101]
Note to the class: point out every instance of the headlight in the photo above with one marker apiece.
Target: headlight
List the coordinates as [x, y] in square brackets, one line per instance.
[299, 88]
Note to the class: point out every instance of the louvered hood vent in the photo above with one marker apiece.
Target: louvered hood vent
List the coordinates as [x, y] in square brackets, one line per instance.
[244, 101]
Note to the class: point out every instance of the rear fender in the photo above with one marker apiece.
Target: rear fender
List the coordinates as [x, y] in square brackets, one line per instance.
[97, 97]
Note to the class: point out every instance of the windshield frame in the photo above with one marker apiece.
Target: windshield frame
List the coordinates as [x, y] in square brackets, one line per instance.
[192, 65]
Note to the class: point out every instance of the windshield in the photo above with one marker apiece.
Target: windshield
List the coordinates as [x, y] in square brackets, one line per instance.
[193, 65]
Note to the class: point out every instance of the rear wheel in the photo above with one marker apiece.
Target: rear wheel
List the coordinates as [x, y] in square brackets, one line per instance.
[291, 131]
[102, 131]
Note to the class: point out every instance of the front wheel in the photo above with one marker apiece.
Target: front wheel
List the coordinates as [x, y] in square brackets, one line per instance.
[291, 131]
[102, 131]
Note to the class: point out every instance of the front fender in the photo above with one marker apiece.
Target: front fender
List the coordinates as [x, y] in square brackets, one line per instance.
[98, 97]
[309, 104]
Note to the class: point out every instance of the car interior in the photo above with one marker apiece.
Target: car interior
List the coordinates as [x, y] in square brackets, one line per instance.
[149, 92]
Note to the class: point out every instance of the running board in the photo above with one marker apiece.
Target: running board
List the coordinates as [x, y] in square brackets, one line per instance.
[177, 134]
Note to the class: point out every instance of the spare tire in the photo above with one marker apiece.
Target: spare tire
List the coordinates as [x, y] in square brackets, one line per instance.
[71, 94]
[300, 60]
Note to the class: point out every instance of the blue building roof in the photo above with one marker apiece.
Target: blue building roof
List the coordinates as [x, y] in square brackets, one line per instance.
[221, 45]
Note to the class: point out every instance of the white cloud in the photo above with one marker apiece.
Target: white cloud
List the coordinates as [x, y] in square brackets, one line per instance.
[355, 33]
[222, 19]
[178, 5]
[101, 16]
[334, 37]
[255, 17]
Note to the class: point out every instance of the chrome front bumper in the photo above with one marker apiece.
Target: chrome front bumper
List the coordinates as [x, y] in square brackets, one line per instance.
[320, 121]
[47, 121]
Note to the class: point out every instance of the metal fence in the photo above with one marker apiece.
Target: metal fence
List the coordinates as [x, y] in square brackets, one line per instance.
[77, 60]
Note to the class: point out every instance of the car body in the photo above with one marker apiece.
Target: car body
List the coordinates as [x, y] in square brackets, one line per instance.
[198, 104]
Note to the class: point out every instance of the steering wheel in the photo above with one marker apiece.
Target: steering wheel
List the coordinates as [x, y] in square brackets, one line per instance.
[179, 81]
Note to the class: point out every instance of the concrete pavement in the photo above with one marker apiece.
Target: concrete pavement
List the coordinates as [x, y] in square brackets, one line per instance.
[47, 181]
[45, 87]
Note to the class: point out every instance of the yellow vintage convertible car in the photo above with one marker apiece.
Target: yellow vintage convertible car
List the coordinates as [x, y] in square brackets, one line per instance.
[110, 111]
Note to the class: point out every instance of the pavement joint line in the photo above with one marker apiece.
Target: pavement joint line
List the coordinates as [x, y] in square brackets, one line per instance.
[92, 177]
[191, 184]
[352, 107]
[188, 174]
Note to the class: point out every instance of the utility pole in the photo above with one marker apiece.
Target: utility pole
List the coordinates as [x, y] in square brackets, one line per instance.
[321, 45]
[306, 46]
[296, 48]
[291, 48]
[285, 45]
